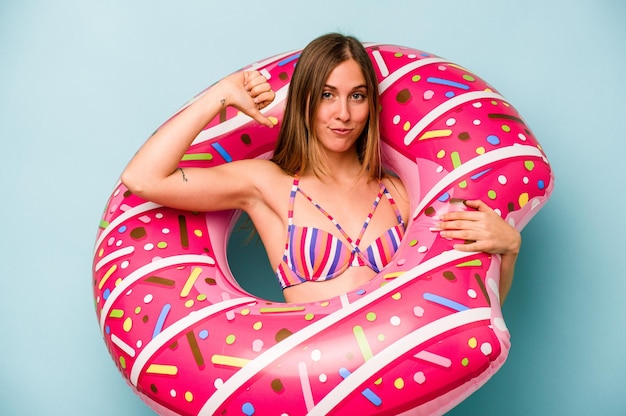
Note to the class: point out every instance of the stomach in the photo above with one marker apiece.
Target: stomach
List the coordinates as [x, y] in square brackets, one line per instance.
[313, 291]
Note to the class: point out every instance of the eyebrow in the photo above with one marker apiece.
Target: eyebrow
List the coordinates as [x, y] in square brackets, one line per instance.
[362, 86]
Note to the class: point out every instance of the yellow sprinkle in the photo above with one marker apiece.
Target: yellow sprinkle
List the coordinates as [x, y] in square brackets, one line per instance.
[463, 185]
[230, 339]
[381, 337]
[257, 325]
[398, 383]
[198, 233]
[441, 154]
[189, 396]
[393, 275]
[189, 303]
[106, 276]
[396, 296]
[432, 134]
[325, 303]
[137, 310]
[480, 150]
[407, 126]
[118, 281]
[245, 312]
[284, 309]
[523, 199]
[168, 370]
[472, 342]
[190, 281]
[101, 252]
[229, 361]
[128, 324]
[379, 381]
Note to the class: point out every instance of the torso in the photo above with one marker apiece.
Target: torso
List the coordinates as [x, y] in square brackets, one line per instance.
[348, 203]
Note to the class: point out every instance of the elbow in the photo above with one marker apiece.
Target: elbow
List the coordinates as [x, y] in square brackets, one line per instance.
[132, 182]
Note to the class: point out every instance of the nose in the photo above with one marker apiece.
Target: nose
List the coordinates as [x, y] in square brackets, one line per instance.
[343, 110]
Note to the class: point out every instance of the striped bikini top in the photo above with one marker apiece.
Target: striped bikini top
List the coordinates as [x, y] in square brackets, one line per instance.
[312, 254]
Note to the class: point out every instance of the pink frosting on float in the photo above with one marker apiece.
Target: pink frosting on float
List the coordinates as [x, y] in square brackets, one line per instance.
[420, 337]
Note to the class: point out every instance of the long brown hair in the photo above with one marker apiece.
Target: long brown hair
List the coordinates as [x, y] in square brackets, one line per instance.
[297, 148]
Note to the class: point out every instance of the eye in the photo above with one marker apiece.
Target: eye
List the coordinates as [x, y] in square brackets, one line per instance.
[327, 95]
[358, 96]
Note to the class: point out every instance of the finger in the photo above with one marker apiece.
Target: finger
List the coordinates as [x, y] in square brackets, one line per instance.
[478, 205]
[260, 118]
[468, 247]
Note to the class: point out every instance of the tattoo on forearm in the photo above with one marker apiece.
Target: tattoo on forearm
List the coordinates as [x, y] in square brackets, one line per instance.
[223, 101]
[183, 173]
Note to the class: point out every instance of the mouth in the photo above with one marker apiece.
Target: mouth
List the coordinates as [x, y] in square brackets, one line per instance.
[341, 131]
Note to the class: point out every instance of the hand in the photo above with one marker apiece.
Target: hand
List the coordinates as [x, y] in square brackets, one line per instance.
[249, 92]
[482, 228]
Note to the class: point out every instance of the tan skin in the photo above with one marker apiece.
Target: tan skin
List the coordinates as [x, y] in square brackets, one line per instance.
[261, 188]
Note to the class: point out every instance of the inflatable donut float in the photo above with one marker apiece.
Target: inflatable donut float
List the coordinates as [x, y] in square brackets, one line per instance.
[417, 339]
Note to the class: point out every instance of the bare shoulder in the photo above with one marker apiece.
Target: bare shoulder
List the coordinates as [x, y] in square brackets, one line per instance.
[400, 195]
[396, 187]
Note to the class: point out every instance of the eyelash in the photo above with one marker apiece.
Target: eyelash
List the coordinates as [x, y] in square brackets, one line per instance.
[357, 96]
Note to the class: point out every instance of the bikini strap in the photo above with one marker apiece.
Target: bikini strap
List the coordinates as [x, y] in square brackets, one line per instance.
[353, 243]
[394, 205]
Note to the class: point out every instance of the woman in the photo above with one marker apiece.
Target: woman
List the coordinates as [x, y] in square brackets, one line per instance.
[323, 205]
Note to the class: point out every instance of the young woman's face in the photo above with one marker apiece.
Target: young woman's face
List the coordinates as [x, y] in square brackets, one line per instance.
[343, 110]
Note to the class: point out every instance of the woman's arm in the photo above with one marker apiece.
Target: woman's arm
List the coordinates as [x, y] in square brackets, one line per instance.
[152, 173]
[489, 233]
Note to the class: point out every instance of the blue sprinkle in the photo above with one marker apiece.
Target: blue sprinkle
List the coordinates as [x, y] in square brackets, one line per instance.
[106, 294]
[218, 147]
[288, 59]
[360, 292]
[493, 139]
[107, 329]
[247, 409]
[479, 174]
[447, 82]
[161, 320]
[440, 300]
[450, 94]
[122, 229]
[541, 184]
[204, 334]
[372, 397]
[444, 197]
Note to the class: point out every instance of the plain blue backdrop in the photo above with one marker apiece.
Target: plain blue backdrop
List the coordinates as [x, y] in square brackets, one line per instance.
[83, 83]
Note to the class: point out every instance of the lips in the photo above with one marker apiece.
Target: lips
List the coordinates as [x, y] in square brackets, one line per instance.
[341, 131]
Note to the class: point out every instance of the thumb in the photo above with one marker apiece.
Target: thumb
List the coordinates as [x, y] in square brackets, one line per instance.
[260, 118]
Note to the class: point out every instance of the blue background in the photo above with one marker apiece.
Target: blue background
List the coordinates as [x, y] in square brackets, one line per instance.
[83, 83]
